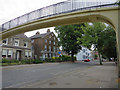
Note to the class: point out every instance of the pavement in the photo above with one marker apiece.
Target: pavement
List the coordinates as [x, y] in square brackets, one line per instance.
[62, 75]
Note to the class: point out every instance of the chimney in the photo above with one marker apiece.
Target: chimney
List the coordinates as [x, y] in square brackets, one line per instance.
[48, 30]
[37, 33]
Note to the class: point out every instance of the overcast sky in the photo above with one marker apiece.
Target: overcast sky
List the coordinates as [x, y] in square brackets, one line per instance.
[10, 9]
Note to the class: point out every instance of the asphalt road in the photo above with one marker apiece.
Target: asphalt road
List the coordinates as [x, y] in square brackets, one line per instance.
[23, 75]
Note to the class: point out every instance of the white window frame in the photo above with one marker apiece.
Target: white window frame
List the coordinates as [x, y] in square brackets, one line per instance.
[10, 52]
[49, 42]
[16, 44]
[45, 40]
[26, 53]
[45, 47]
[50, 55]
[6, 42]
[54, 42]
[4, 52]
[26, 44]
[32, 41]
[50, 48]
[30, 54]
[54, 49]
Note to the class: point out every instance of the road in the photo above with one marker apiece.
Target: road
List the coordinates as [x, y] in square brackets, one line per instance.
[50, 75]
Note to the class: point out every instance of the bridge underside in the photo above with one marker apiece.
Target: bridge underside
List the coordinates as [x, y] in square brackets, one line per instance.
[106, 15]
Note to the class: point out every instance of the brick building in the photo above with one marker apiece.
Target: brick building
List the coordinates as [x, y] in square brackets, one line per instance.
[16, 47]
[45, 45]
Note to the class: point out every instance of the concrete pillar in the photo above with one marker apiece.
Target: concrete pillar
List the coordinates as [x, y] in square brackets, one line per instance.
[118, 53]
[118, 46]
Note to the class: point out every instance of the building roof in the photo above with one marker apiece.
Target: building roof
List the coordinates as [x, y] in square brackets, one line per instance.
[22, 36]
[40, 35]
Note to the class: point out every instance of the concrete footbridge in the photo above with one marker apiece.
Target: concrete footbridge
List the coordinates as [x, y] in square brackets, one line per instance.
[67, 12]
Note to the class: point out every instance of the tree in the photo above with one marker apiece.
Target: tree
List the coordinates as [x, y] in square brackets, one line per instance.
[91, 36]
[68, 35]
[108, 43]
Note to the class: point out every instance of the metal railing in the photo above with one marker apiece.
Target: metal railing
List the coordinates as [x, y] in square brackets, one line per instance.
[55, 9]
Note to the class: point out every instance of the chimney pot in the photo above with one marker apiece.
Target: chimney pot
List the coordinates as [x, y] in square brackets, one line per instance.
[48, 30]
[37, 33]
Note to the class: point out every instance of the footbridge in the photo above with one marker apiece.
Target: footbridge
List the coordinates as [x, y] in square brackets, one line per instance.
[68, 12]
[64, 13]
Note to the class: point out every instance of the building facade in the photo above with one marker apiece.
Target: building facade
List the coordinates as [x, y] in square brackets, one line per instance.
[45, 45]
[84, 53]
[17, 47]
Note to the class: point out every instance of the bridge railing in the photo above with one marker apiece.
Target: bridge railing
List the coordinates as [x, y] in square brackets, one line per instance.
[55, 9]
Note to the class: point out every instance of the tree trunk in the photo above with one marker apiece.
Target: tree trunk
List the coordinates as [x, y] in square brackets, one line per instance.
[72, 55]
[100, 59]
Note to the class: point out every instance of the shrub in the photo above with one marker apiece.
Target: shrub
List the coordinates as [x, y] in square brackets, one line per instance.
[47, 59]
[37, 61]
[67, 58]
[6, 61]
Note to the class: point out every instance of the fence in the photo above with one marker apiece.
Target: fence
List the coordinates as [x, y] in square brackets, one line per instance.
[59, 8]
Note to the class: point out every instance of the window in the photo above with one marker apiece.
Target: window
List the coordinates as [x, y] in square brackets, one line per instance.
[54, 49]
[49, 36]
[54, 43]
[58, 49]
[32, 47]
[26, 53]
[49, 48]
[30, 54]
[4, 53]
[16, 42]
[84, 56]
[49, 42]
[83, 50]
[25, 44]
[32, 41]
[50, 55]
[10, 53]
[45, 47]
[88, 54]
[45, 40]
[5, 41]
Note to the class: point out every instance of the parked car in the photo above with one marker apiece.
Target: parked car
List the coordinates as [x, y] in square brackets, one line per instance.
[86, 60]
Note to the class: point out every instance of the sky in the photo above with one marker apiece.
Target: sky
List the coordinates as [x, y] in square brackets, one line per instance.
[10, 9]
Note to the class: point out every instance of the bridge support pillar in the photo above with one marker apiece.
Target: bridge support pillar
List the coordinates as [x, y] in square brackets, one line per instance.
[118, 49]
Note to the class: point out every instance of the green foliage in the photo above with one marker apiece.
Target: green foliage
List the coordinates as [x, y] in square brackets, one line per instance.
[9, 61]
[108, 40]
[96, 56]
[55, 59]
[48, 59]
[103, 38]
[67, 58]
[91, 34]
[6, 62]
[37, 61]
[68, 36]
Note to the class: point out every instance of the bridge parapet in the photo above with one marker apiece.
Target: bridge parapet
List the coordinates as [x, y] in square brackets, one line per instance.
[55, 9]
